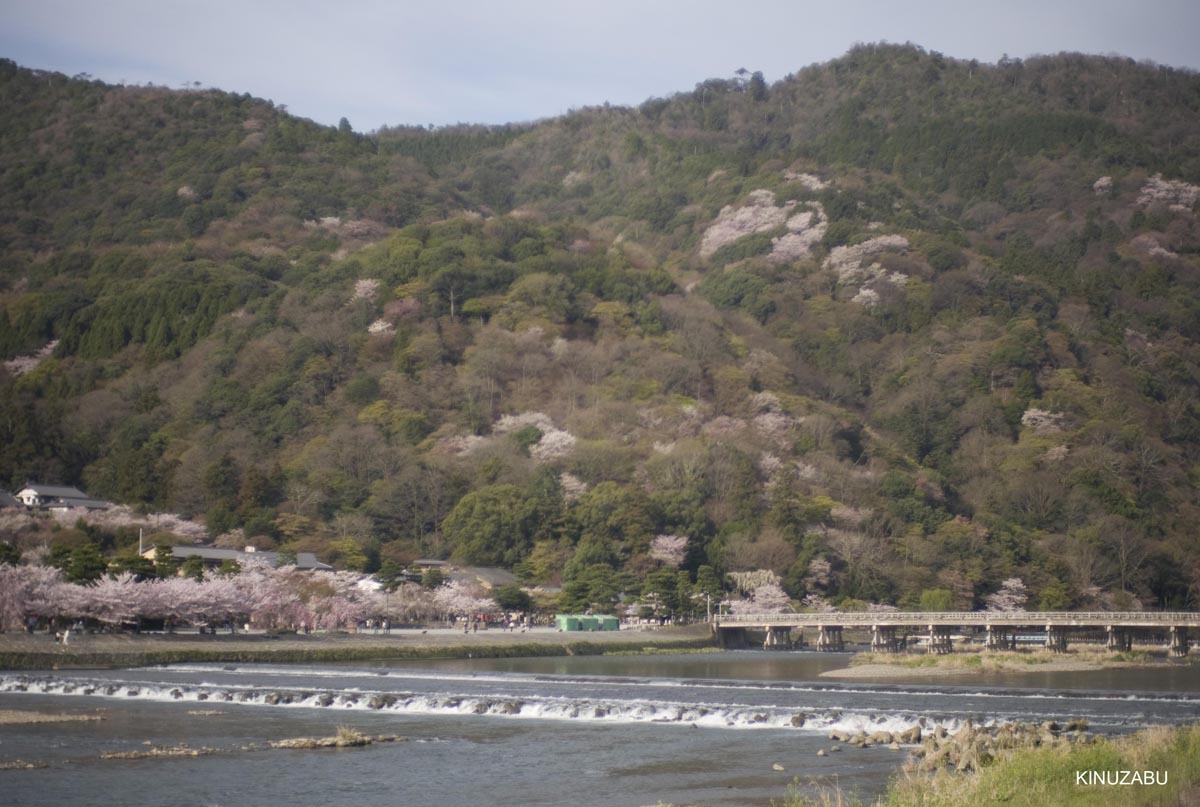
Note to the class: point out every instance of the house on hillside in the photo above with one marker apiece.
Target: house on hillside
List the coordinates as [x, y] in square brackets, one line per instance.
[57, 497]
[213, 557]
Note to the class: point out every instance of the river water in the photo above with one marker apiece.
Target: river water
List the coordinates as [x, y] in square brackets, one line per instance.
[610, 731]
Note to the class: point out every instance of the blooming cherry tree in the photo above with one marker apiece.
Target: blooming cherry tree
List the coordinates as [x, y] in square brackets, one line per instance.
[27, 591]
[457, 598]
[1011, 596]
[670, 549]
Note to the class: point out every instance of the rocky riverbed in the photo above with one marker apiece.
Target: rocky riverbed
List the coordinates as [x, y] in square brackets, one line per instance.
[968, 748]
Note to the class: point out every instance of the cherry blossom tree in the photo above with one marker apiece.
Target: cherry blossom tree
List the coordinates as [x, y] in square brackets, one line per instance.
[457, 598]
[770, 599]
[767, 598]
[111, 600]
[1011, 596]
[817, 603]
[27, 591]
[272, 596]
[269, 597]
[224, 599]
[410, 602]
[337, 600]
[670, 549]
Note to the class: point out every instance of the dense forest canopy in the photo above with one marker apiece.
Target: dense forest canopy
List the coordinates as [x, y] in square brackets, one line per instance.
[897, 328]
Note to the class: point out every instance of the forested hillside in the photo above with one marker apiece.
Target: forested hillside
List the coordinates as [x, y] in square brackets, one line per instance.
[897, 328]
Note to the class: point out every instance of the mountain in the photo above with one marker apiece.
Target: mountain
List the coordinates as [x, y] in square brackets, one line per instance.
[897, 328]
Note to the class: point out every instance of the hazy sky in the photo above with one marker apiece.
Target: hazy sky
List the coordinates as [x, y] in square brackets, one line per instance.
[424, 62]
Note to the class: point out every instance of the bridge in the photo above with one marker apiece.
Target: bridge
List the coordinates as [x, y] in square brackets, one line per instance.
[891, 631]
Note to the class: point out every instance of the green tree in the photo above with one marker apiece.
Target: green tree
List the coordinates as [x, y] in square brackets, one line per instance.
[433, 578]
[9, 554]
[86, 565]
[229, 566]
[616, 515]
[1054, 597]
[592, 550]
[594, 588]
[193, 567]
[349, 554]
[491, 526]
[758, 86]
[390, 575]
[512, 598]
[668, 591]
[936, 599]
[222, 478]
[165, 562]
[708, 584]
[141, 568]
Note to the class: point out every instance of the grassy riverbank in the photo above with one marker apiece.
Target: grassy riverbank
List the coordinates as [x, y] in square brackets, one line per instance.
[40, 652]
[888, 665]
[1036, 777]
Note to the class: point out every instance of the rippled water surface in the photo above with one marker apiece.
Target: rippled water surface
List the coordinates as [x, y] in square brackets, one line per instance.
[623, 730]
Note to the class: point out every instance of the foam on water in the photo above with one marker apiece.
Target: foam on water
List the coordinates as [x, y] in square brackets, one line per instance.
[274, 671]
[601, 699]
[598, 710]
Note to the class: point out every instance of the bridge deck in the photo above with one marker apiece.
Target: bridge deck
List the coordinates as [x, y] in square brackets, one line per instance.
[982, 619]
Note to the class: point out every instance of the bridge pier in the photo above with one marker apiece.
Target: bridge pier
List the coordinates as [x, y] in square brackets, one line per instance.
[1000, 639]
[884, 640]
[777, 637]
[829, 638]
[1056, 639]
[1119, 639]
[732, 638]
[939, 640]
[1179, 642]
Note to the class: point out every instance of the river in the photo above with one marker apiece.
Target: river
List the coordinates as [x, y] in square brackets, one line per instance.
[607, 731]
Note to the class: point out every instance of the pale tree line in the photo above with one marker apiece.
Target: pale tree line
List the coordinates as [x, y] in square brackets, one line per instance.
[259, 596]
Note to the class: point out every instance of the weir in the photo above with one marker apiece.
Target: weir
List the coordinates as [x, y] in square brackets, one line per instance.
[889, 631]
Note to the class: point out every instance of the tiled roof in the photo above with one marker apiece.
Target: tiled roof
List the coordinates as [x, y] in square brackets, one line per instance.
[304, 560]
[57, 491]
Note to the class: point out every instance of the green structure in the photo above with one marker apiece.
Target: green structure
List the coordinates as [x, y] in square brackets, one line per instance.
[577, 622]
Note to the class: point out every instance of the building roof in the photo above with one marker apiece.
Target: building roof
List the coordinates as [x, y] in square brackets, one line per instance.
[58, 497]
[304, 560]
[90, 504]
[56, 491]
[9, 500]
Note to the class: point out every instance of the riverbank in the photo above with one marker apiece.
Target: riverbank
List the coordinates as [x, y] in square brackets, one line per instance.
[1157, 766]
[884, 665]
[41, 652]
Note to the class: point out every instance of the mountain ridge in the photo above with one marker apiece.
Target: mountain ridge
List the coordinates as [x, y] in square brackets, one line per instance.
[952, 342]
